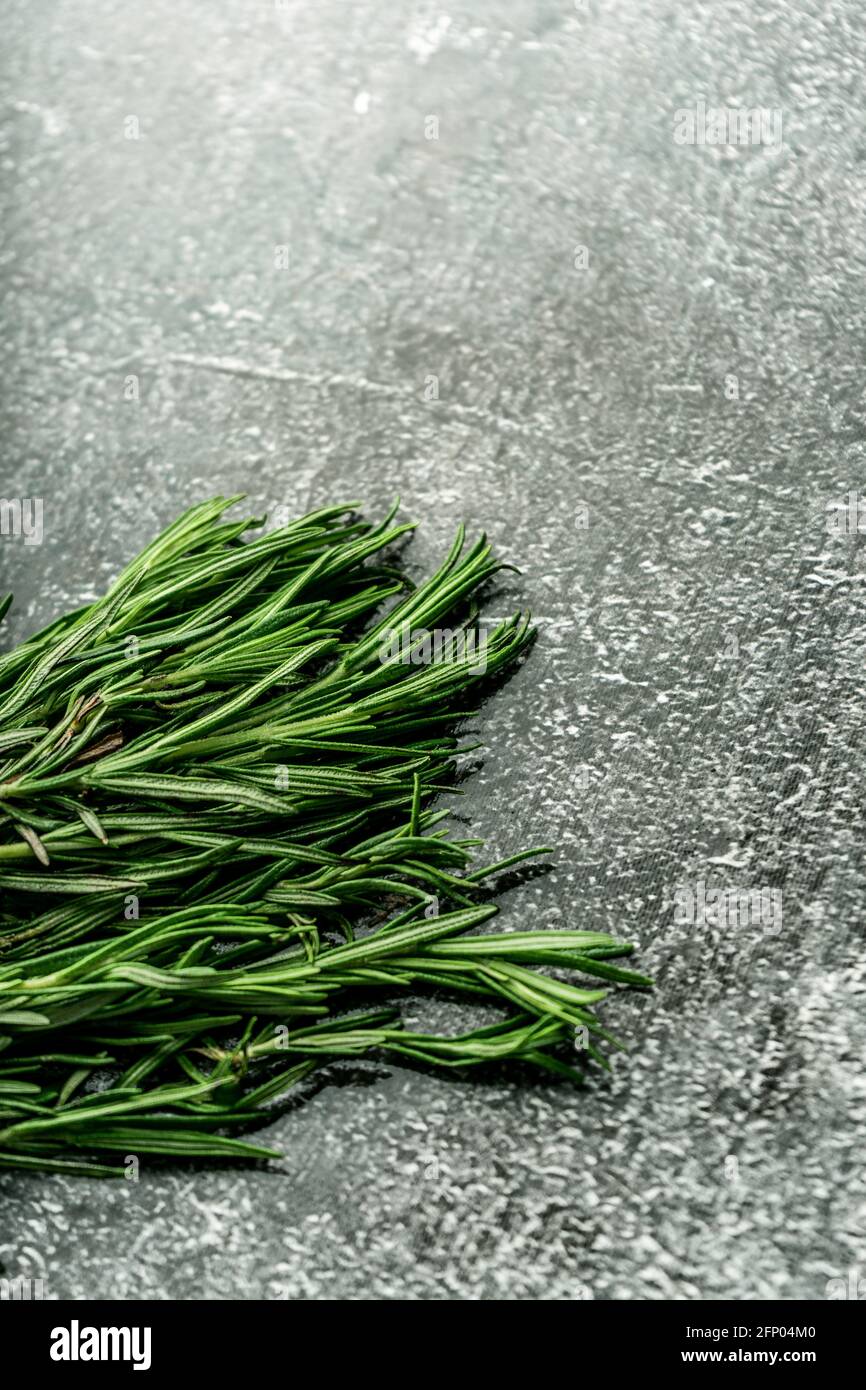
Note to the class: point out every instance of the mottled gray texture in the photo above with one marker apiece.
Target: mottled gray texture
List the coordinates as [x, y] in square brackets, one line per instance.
[304, 125]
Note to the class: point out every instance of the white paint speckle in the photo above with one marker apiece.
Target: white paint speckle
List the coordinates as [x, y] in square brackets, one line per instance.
[427, 39]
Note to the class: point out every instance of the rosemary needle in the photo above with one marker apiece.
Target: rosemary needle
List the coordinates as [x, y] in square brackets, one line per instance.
[217, 841]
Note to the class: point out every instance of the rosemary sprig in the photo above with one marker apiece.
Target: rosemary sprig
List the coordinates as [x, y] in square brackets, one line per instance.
[217, 840]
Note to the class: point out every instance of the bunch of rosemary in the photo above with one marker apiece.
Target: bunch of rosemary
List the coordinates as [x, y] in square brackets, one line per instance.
[209, 779]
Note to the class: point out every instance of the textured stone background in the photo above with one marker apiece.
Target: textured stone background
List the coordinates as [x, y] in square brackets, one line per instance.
[560, 389]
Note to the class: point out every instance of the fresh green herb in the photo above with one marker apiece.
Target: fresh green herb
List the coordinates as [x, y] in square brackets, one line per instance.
[217, 843]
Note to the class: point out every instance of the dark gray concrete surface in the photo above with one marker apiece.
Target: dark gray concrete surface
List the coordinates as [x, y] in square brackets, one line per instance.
[724, 1157]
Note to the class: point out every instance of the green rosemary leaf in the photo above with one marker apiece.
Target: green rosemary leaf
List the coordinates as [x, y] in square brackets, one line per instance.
[224, 769]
